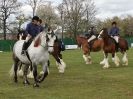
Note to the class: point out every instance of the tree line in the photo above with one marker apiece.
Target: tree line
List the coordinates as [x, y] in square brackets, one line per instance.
[74, 16]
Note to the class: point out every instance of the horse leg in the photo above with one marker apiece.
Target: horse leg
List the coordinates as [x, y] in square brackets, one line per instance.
[125, 59]
[45, 72]
[25, 75]
[87, 58]
[42, 72]
[106, 61]
[59, 62]
[35, 76]
[16, 61]
[115, 59]
[30, 75]
[103, 61]
[20, 72]
[63, 64]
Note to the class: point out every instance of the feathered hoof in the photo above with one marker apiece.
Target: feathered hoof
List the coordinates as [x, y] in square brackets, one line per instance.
[35, 85]
[30, 75]
[117, 65]
[105, 67]
[20, 73]
[126, 64]
[61, 71]
[102, 63]
[88, 62]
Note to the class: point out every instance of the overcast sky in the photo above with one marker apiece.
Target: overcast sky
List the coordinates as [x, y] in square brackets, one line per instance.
[110, 8]
[106, 8]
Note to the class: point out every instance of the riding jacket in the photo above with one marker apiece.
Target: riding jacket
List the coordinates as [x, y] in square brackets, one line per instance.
[32, 29]
[92, 32]
[114, 31]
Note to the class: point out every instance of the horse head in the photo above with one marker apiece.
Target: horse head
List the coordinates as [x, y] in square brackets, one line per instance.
[50, 39]
[103, 33]
[21, 35]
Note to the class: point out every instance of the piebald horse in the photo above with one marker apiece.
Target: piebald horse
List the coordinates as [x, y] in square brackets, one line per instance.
[38, 54]
[110, 47]
[56, 54]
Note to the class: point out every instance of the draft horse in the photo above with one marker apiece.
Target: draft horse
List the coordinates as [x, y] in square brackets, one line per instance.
[38, 54]
[110, 47]
[96, 45]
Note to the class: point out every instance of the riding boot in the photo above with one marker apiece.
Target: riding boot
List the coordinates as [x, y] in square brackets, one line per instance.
[24, 48]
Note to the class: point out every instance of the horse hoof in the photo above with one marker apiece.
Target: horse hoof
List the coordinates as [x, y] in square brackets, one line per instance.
[125, 64]
[102, 63]
[26, 82]
[35, 85]
[88, 62]
[117, 65]
[61, 72]
[105, 67]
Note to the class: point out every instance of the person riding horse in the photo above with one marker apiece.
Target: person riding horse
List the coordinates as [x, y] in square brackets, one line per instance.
[114, 33]
[32, 30]
[92, 34]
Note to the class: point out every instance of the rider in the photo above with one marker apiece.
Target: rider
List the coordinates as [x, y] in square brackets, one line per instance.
[114, 33]
[41, 28]
[92, 34]
[32, 30]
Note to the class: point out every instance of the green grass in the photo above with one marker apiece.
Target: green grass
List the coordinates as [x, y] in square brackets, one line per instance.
[80, 81]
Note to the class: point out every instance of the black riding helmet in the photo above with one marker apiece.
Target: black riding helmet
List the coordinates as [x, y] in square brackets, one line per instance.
[35, 18]
[114, 23]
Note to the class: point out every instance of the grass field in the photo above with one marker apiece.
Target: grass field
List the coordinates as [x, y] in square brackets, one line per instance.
[80, 81]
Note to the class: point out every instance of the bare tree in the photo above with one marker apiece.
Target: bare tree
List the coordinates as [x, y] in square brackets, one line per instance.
[20, 19]
[7, 7]
[47, 14]
[75, 12]
[34, 4]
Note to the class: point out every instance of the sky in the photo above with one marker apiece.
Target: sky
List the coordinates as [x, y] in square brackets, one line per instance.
[110, 8]
[105, 8]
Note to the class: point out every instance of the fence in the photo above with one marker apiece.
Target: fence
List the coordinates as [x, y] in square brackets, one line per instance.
[7, 45]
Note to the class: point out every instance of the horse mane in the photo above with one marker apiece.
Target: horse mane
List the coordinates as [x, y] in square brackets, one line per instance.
[105, 32]
[37, 40]
[81, 40]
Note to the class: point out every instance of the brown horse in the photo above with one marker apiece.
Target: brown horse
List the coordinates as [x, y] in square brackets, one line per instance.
[110, 47]
[56, 54]
[94, 46]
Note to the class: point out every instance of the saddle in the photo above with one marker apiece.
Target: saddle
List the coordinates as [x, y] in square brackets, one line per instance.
[90, 44]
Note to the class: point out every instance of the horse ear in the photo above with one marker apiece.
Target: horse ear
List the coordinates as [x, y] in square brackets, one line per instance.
[37, 42]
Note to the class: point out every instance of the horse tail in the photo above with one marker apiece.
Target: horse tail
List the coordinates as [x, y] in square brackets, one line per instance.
[11, 72]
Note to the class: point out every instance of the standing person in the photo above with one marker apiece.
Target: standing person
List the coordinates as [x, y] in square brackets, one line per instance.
[114, 33]
[92, 34]
[32, 30]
